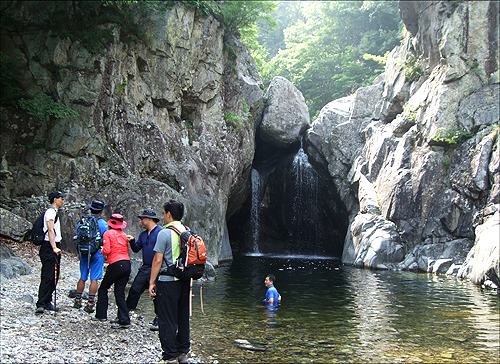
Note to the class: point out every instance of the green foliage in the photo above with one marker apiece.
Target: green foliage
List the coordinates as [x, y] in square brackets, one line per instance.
[328, 49]
[121, 88]
[413, 69]
[13, 95]
[233, 120]
[451, 137]
[241, 16]
[382, 60]
[42, 104]
[205, 7]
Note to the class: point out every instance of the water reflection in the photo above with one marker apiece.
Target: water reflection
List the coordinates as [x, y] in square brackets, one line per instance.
[334, 314]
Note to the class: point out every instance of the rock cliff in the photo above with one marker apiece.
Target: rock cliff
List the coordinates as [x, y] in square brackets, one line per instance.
[415, 156]
[173, 117]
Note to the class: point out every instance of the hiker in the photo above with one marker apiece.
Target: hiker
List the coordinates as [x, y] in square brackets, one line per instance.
[50, 253]
[93, 266]
[272, 295]
[170, 293]
[115, 248]
[146, 242]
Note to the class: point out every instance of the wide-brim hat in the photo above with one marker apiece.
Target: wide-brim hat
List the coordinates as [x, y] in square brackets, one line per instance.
[116, 222]
[97, 205]
[149, 213]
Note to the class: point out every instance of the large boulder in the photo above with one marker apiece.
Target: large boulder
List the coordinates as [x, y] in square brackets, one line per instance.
[10, 265]
[483, 260]
[375, 241]
[285, 115]
[13, 226]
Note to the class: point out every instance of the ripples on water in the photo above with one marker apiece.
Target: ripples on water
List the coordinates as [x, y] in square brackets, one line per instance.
[332, 313]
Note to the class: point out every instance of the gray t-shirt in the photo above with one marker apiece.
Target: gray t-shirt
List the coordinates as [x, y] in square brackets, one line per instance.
[164, 245]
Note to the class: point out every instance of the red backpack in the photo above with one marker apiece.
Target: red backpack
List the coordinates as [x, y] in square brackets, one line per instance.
[191, 261]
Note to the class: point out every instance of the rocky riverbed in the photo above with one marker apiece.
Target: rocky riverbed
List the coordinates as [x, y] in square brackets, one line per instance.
[69, 336]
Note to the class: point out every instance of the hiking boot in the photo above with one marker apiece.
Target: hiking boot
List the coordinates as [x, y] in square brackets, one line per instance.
[93, 318]
[120, 326]
[77, 304]
[182, 359]
[169, 361]
[50, 307]
[89, 307]
[114, 321]
[39, 310]
[154, 325]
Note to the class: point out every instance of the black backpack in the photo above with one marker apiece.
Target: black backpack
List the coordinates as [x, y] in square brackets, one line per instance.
[88, 240]
[37, 234]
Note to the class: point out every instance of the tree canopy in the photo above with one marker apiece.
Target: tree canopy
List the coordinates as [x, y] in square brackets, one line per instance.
[328, 49]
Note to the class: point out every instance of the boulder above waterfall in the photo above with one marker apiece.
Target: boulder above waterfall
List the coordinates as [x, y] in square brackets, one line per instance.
[285, 115]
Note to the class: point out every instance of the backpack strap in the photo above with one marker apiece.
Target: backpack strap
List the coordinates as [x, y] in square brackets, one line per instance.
[55, 220]
[177, 230]
[180, 243]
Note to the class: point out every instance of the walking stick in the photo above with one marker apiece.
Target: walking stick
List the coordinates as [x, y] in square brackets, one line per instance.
[190, 297]
[55, 287]
[201, 297]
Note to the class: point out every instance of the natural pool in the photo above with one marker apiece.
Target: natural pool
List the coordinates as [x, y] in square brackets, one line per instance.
[333, 313]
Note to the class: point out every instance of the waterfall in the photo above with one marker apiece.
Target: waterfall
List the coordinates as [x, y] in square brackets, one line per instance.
[254, 212]
[288, 213]
[306, 204]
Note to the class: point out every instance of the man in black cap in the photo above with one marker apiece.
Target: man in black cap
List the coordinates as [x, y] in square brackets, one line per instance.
[50, 252]
[94, 266]
[146, 242]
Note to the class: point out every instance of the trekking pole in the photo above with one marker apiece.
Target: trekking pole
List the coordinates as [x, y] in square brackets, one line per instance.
[201, 298]
[190, 297]
[55, 287]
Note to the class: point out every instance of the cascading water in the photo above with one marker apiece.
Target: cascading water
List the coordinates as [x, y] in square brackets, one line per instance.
[304, 191]
[254, 212]
[292, 219]
[293, 209]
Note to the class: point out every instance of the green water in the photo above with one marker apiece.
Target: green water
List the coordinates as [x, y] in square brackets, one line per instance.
[332, 313]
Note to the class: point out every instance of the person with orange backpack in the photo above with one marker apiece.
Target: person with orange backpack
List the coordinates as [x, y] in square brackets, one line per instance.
[170, 293]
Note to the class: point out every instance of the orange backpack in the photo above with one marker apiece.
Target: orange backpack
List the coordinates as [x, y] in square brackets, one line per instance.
[193, 256]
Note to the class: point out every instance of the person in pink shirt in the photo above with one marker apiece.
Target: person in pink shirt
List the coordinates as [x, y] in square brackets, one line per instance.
[115, 248]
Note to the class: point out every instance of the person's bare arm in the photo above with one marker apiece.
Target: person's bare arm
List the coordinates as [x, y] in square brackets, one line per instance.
[52, 237]
[155, 270]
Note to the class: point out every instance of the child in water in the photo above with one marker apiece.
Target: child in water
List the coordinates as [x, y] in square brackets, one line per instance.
[272, 295]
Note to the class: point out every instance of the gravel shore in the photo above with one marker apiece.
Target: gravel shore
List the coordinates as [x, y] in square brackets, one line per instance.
[68, 336]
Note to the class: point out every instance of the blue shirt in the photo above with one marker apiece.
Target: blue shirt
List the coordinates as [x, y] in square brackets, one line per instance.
[146, 242]
[272, 292]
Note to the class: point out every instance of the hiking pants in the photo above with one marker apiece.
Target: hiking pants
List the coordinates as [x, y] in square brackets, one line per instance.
[173, 317]
[117, 273]
[47, 286]
[140, 284]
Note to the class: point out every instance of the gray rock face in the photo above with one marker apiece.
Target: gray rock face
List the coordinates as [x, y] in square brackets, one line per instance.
[423, 167]
[13, 226]
[286, 114]
[174, 118]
